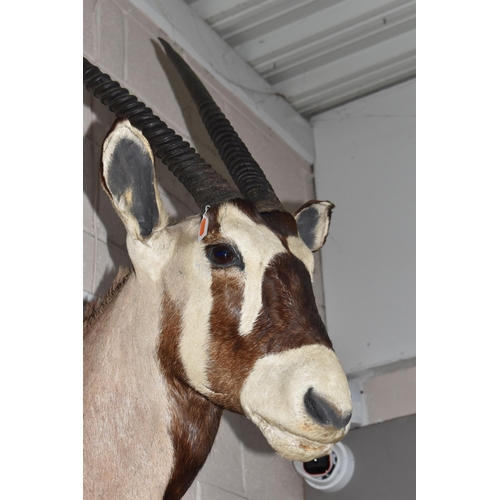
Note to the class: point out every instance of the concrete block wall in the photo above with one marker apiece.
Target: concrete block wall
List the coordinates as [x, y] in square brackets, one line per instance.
[123, 43]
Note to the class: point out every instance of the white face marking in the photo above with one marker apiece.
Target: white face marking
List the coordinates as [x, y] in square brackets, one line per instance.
[258, 245]
[273, 398]
[189, 286]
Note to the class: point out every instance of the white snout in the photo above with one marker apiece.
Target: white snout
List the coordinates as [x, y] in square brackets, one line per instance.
[273, 398]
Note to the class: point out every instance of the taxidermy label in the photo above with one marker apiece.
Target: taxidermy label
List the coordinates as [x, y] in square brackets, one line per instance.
[203, 230]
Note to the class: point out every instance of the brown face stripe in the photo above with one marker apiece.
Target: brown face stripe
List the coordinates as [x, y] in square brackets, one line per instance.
[289, 319]
[195, 420]
[229, 355]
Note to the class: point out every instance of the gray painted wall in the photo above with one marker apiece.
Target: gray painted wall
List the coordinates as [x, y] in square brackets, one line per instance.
[385, 463]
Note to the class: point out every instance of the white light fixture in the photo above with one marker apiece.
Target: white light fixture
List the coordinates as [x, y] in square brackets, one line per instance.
[329, 473]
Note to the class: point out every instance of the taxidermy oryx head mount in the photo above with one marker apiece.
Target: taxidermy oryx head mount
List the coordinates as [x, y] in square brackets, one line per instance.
[219, 308]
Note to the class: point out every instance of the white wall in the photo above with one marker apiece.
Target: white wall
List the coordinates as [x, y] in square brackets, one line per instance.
[365, 164]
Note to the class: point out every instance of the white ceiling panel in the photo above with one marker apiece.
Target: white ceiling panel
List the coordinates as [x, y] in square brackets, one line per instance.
[319, 54]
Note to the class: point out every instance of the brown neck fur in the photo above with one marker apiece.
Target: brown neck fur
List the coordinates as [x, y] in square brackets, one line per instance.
[195, 423]
[195, 420]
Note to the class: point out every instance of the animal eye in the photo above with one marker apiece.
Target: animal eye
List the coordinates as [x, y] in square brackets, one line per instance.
[223, 255]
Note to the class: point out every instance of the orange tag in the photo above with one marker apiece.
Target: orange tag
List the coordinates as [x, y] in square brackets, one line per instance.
[203, 229]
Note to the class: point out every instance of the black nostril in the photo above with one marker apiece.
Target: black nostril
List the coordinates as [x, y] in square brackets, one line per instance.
[322, 412]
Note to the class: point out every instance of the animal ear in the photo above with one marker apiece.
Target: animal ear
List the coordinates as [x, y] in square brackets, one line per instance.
[128, 176]
[313, 221]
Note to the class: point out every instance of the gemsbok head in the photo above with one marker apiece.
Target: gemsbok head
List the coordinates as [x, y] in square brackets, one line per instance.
[217, 313]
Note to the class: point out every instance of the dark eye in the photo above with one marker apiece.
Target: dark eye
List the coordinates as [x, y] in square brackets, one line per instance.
[223, 256]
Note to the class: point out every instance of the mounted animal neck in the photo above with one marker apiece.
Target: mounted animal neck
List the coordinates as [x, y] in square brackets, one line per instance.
[225, 322]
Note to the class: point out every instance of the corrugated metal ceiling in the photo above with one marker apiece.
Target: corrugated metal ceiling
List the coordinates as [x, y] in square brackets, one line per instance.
[319, 53]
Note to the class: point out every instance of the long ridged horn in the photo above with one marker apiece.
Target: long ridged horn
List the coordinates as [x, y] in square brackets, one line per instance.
[204, 184]
[245, 171]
